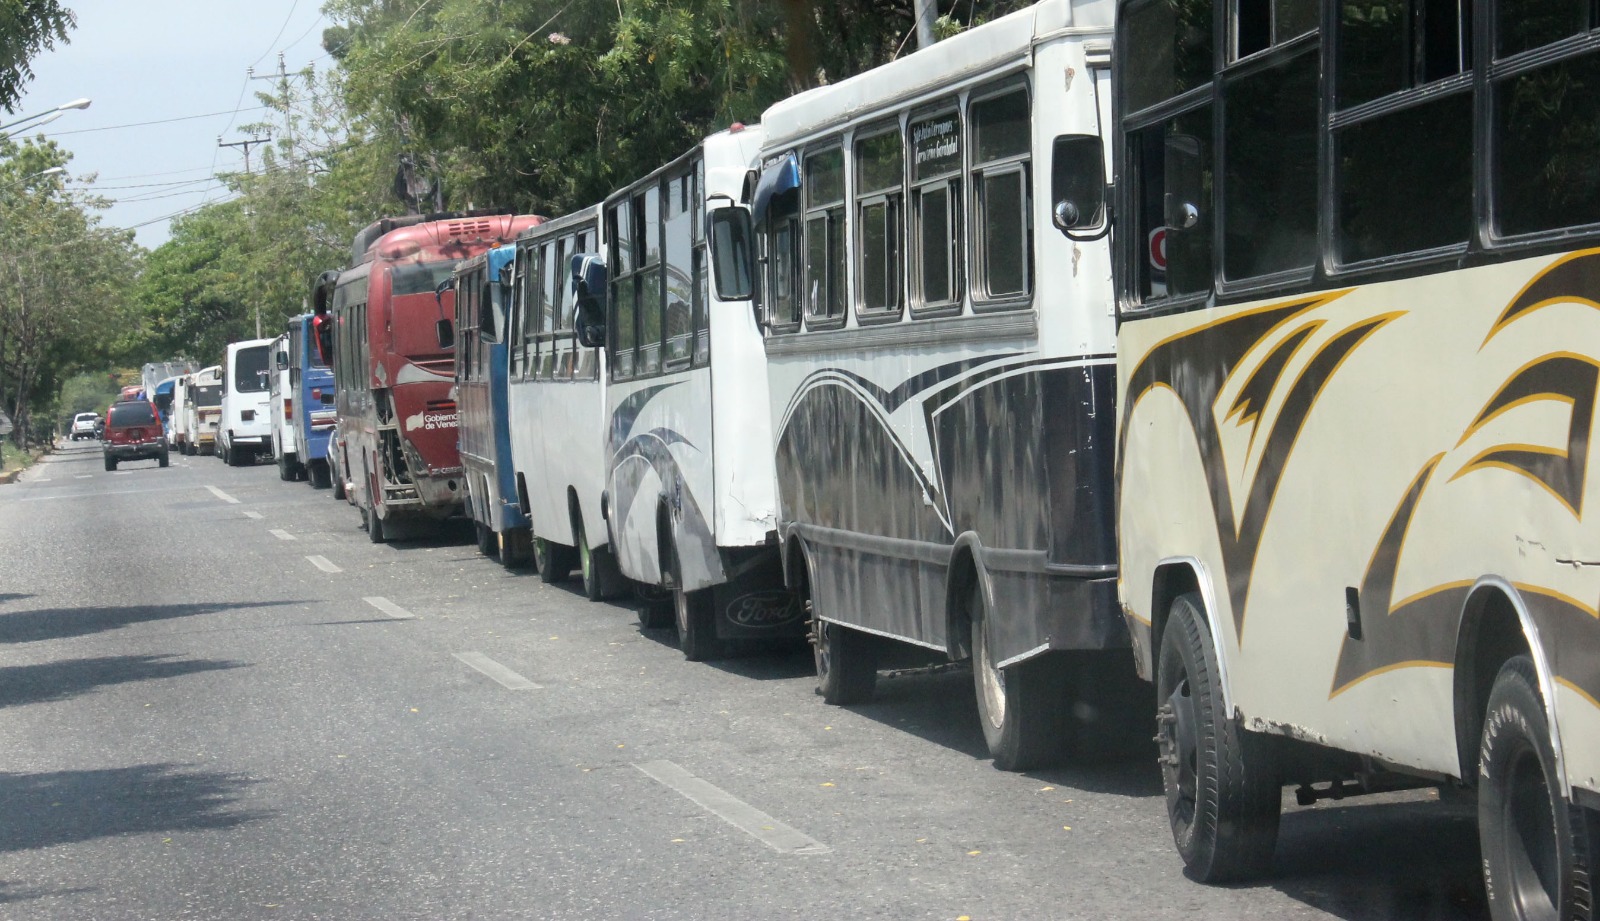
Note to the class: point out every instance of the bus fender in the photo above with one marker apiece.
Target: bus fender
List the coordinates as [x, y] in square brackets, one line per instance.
[966, 569]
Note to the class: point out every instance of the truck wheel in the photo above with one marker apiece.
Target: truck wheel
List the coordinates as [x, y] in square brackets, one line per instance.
[317, 473]
[847, 662]
[1538, 850]
[374, 525]
[695, 613]
[1224, 793]
[1023, 707]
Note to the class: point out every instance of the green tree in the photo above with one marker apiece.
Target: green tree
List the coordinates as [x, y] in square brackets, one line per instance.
[26, 28]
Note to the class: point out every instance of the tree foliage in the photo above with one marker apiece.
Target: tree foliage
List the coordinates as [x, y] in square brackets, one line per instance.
[27, 27]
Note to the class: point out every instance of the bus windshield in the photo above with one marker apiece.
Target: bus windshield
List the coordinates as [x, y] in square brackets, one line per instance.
[421, 277]
[207, 396]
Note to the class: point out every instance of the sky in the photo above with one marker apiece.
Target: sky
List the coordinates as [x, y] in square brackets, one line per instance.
[154, 60]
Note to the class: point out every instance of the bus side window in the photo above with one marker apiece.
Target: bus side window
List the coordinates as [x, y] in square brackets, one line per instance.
[824, 235]
[880, 265]
[622, 303]
[647, 213]
[782, 239]
[1002, 226]
[936, 225]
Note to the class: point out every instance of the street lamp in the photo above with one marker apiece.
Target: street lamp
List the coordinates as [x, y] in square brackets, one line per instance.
[45, 118]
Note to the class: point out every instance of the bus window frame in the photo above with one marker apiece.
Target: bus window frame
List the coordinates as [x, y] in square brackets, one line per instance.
[953, 184]
[974, 172]
[893, 198]
[809, 213]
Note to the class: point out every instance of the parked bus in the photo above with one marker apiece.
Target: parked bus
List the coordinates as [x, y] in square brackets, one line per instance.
[201, 410]
[311, 411]
[162, 397]
[941, 367]
[557, 408]
[482, 287]
[1359, 357]
[690, 498]
[285, 445]
[244, 432]
[393, 370]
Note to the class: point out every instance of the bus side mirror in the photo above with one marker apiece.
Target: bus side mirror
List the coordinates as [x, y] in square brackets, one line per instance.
[283, 361]
[1078, 187]
[589, 281]
[445, 330]
[322, 336]
[732, 238]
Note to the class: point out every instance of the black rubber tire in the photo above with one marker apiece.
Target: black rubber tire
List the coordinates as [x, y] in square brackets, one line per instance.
[516, 548]
[695, 614]
[656, 613]
[285, 470]
[339, 492]
[165, 457]
[599, 568]
[488, 540]
[375, 527]
[1223, 785]
[1022, 709]
[317, 474]
[1538, 850]
[111, 463]
[550, 559]
[846, 661]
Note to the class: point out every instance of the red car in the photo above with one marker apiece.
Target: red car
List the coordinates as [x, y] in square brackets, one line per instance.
[133, 431]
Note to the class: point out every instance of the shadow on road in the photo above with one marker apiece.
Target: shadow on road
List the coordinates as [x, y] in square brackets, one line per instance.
[11, 892]
[1372, 861]
[4, 597]
[56, 681]
[65, 807]
[64, 623]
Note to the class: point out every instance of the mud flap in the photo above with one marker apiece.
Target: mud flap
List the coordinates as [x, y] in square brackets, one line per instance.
[754, 605]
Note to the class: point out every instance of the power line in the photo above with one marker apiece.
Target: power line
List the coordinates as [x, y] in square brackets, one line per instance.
[292, 7]
[162, 121]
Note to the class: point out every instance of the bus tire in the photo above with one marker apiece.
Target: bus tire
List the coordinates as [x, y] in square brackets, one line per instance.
[1224, 793]
[1022, 708]
[549, 558]
[375, 529]
[516, 548]
[285, 469]
[317, 473]
[695, 613]
[601, 578]
[488, 541]
[1538, 851]
[847, 663]
[339, 491]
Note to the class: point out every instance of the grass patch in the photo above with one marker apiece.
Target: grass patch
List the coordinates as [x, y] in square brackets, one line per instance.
[13, 457]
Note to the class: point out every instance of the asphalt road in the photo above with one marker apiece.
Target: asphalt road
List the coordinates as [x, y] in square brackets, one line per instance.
[219, 700]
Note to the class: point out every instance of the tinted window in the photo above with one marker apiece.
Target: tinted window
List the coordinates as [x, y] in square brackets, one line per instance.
[1546, 130]
[206, 396]
[132, 414]
[1174, 165]
[1405, 180]
[1527, 24]
[420, 277]
[250, 369]
[1270, 186]
[1171, 40]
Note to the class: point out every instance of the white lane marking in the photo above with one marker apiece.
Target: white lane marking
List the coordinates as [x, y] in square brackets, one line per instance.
[253, 515]
[322, 563]
[83, 476]
[281, 534]
[115, 492]
[389, 607]
[505, 677]
[42, 479]
[222, 495]
[122, 473]
[734, 811]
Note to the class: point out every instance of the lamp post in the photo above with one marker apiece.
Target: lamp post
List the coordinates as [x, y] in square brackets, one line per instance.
[44, 118]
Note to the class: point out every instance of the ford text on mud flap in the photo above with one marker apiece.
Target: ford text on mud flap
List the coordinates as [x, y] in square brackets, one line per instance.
[753, 605]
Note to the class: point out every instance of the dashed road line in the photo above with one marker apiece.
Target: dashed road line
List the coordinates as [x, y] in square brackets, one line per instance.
[253, 515]
[505, 677]
[281, 534]
[733, 810]
[389, 607]
[323, 563]
[222, 495]
[83, 476]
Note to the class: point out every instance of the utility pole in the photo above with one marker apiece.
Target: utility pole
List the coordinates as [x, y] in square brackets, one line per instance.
[926, 13]
[282, 76]
[247, 143]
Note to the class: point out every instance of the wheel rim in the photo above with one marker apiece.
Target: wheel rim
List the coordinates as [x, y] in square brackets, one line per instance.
[822, 647]
[1531, 851]
[541, 554]
[991, 682]
[680, 611]
[1180, 751]
[583, 559]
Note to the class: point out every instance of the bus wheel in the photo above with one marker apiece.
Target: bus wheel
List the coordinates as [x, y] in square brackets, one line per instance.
[317, 473]
[1021, 708]
[374, 526]
[285, 469]
[488, 541]
[1224, 795]
[847, 662]
[549, 558]
[516, 548]
[1538, 852]
[697, 630]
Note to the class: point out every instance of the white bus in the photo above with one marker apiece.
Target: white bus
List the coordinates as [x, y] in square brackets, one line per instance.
[244, 432]
[280, 390]
[690, 498]
[940, 353]
[1358, 358]
[200, 409]
[557, 408]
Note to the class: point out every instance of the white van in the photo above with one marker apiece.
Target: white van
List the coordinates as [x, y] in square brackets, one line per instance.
[245, 432]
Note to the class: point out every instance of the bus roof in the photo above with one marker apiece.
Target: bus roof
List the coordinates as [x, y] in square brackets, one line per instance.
[932, 70]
